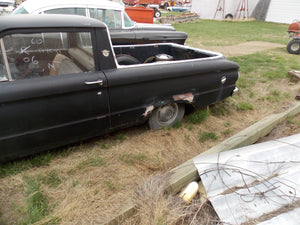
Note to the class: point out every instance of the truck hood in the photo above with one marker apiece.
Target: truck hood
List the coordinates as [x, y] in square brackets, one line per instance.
[147, 26]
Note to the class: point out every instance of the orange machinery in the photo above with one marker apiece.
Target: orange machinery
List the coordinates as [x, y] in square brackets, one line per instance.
[140, 14]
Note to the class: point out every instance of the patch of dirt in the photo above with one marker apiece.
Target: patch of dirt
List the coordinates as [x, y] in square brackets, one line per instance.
[245, 48]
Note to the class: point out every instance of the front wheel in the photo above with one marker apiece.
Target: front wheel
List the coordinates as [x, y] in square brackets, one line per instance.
[166, 116]
[293, 47]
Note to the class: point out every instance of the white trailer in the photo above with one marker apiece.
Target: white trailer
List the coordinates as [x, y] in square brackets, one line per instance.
[221, 9]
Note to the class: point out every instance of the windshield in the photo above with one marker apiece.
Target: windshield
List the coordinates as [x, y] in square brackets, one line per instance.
[20, 10]
[127, 21]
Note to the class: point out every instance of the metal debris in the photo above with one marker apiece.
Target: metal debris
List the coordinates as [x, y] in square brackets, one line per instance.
[255, 184]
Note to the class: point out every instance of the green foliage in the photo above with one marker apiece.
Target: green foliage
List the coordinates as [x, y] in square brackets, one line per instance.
[227, 131]
[132, 158]
[51, 179]
[105, 146]
[208, 136]
[36, 201]
[197, 117]
[292, 121]
[91, 162]
[177, 124]
[35, 161]
[121, 137]
[16, 167]
[244, 106]
[218, 109]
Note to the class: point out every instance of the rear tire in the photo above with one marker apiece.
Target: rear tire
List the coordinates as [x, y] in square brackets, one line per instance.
[293, 47]
[157, 14]
[166, 116]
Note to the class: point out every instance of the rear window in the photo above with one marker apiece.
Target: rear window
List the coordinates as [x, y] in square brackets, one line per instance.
[68, 11]
[20, 10]
[112, 18]
[38, 54]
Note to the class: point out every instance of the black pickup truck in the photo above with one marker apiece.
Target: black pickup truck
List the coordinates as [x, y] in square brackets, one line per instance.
[62, 81]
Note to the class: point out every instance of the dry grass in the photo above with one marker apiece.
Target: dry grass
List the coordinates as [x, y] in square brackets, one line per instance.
[90, 194]
[155, 206]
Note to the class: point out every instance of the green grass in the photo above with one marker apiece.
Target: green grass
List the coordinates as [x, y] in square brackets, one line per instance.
[51, 179]
[266, 66]
[91, 162]
[130, 158]
[16, 167]
[36, 202]
[292, 121]
[222, 33]
[205, 136]
[244, 106]
[121, 137]
[197, 117]
[166, 13]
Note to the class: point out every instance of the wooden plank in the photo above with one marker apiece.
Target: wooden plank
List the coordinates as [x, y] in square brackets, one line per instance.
[187, 172]
[128, 211]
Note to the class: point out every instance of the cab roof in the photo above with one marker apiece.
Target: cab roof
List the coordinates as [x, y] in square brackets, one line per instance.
[47, 21]
[33, 6]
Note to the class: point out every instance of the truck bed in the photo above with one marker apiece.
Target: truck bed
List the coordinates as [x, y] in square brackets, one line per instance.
[161, 52]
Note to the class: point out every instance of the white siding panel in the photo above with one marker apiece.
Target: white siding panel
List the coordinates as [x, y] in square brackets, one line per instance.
[283, 11]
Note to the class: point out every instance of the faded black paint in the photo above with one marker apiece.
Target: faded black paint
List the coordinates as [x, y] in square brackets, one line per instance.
[43, 113]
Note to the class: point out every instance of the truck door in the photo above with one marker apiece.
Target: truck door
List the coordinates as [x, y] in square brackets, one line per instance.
[50, 92]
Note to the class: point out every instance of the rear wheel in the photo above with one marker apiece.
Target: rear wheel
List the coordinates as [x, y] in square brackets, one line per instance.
[166, 116]
[293, 47]
[157, 14]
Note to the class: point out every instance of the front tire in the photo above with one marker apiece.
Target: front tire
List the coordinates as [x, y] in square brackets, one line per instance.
[293, 47]
[166, 116]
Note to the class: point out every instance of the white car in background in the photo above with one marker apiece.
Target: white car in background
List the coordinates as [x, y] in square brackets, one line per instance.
[6, 7]
[122, 29]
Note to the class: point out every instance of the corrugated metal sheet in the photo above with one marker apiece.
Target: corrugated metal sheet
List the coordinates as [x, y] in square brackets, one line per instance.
[283, 11]
[258, 183]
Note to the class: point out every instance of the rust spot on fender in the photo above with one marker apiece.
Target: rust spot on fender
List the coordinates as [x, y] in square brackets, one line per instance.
[184, 97]
[148, 110]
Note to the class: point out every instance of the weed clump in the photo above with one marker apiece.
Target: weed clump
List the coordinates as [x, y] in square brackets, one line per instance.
[197, 117]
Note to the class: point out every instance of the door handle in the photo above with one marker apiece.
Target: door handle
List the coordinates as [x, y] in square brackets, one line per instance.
[100, 82]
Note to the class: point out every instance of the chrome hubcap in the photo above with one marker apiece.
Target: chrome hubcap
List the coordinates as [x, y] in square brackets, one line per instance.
[295, 46]
[167, 114]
